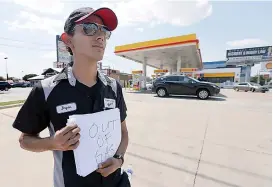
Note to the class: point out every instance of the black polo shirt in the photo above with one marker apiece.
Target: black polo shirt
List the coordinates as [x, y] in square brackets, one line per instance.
[50, 104]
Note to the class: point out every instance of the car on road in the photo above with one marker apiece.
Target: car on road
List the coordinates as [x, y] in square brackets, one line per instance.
[184, 85]
[4, 86]
[21, 85]
[250, 86]
[149, 85]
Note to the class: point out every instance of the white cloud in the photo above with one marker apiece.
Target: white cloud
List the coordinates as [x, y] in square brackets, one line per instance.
[50, 55]
[248, 42]
[140, 29]
[179, 13]
[3, 54]
[44, 6]
[32, 21]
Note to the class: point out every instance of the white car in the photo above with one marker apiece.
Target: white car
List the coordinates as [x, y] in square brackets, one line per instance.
[149, 86]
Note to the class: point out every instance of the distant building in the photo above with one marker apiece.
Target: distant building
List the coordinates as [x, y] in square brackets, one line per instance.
[46, 73]
[122, 78]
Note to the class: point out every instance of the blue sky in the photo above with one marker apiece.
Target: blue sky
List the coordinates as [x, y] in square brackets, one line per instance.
[28, 31]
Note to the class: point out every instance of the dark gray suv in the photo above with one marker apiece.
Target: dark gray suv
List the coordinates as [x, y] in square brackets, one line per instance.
[183, 85]
[4, 86]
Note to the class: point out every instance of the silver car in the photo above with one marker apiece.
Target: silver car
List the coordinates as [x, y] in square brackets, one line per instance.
[249, 86]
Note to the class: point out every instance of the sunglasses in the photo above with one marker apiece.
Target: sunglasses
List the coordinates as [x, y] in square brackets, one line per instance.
[90, 29]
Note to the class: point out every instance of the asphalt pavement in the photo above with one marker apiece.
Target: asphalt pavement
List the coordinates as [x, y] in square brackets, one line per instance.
[14, 94]
[174, 142]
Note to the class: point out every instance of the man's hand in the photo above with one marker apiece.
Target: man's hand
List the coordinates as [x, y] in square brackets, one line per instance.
[109, 166]
[67, 138]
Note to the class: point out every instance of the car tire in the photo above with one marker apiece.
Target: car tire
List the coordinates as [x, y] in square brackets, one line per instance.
[252, 89]
[161, 92]
[203, 94]
[6, 89]
[236, 89]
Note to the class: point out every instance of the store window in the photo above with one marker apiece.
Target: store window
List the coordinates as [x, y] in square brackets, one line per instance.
[219, 79]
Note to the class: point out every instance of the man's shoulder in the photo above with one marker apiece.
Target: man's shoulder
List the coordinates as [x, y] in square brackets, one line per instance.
[48, 82]
[48, 85]
[113, 83]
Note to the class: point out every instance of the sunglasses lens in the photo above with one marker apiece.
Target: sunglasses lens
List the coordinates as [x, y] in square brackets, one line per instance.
[107, 32]
[90, 29]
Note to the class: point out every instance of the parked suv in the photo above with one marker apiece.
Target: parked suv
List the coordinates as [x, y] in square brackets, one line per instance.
[183, 85]
[4, 86]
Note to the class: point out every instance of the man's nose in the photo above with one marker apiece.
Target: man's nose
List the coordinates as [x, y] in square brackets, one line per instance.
[101, 37]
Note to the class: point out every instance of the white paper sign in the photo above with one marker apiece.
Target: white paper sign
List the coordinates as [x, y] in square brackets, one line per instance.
[100, 139]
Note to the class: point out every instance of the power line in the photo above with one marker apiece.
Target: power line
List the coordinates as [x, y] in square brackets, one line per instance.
[15, 40]
[24, 47]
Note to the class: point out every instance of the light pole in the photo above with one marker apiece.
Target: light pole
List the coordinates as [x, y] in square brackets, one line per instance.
[6, 58]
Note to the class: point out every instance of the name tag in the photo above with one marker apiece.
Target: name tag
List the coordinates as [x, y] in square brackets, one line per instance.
[66, 108]
[109, 103]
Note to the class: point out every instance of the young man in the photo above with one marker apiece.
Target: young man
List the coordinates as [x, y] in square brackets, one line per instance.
[79, 89]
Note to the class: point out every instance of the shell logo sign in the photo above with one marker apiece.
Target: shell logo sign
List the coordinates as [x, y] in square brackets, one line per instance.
[268, 65]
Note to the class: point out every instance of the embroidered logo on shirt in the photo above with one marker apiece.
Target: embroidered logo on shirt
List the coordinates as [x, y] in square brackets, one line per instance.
[109, 103]
[66, 108]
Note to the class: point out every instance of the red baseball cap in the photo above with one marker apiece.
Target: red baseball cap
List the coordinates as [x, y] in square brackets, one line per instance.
[107, 15]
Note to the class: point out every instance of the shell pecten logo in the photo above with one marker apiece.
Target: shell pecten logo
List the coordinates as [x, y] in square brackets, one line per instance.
[268, 65]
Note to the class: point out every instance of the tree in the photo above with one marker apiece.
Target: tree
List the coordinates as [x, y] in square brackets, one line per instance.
[262, 80]
[13, 78]
[28, 76]
[2, 78]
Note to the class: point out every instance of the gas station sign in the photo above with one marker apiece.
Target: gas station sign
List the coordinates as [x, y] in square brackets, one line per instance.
[137, 79]
[188, 69]
[160, 71]
[137, 72]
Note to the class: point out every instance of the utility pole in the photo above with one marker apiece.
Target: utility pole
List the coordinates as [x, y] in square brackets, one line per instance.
[258, 80]
[6, 58]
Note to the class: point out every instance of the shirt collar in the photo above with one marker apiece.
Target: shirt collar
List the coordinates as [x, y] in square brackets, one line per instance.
[67, 73]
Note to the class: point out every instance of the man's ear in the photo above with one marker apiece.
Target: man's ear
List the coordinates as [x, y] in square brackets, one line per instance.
[66, 39]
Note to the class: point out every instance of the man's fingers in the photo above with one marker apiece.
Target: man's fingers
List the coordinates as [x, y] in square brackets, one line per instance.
[74, 140]
[72, 133]
[74, 146]
[107, 163]
[106, 171]
[67, 128]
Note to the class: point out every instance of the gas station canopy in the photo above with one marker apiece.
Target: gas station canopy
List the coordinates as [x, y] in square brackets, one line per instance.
[172, 54]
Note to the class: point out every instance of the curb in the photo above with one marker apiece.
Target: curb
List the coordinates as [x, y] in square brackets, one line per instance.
[11, 106]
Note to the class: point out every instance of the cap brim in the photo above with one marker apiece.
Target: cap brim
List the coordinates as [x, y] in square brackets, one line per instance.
[107, 15]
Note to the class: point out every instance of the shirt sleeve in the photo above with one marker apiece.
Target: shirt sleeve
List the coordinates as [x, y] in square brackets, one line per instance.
[121, 103]
[33, 117]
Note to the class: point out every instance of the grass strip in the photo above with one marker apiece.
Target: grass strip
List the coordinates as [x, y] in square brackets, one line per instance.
[11, 102]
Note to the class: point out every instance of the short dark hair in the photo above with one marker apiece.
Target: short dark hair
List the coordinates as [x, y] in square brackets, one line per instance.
[69, 50]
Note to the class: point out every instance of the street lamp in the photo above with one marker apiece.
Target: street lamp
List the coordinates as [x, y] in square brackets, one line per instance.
[6, 58]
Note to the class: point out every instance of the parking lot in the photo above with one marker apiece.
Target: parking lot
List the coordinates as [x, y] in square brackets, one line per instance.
[174, 142]
[14, 94]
